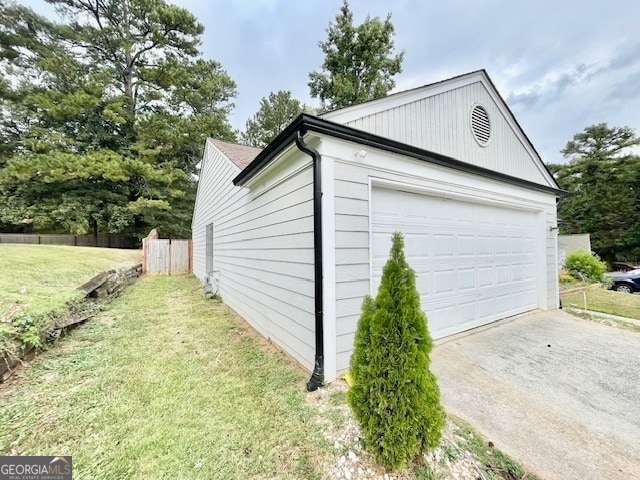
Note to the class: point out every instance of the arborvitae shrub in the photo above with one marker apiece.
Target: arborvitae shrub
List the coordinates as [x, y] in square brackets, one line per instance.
[395, 397]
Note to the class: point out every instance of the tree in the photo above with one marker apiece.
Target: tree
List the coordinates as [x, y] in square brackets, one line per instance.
[105, 116]
[359, 61]
[602, 179]
[276, 112]
[395, 397]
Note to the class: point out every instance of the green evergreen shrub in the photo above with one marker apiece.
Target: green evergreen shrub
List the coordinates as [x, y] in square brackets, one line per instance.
[586, 264]
[395, 397]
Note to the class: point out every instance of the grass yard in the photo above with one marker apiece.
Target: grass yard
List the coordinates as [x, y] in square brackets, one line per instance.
[605, 301]
[167, 384]
[51, 273]
[164, 384]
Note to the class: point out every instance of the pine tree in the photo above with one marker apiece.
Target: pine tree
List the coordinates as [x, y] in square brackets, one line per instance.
[360, 61]
[276, 112]
[395, 397]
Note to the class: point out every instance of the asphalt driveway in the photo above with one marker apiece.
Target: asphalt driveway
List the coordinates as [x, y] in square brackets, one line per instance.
[559, 394]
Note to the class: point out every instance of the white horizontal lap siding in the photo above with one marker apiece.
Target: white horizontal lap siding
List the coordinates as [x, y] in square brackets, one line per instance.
[551, 228]
[215, 183]
[441, 124]
[352, 254]
[356, 177]
[263, 251]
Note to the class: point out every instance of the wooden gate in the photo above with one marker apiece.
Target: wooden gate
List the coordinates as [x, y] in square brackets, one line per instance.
[162, 256]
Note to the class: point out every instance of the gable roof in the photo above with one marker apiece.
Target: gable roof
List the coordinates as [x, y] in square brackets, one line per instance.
[353, 114]
[346, 114]
[305, 123]
[240, 155]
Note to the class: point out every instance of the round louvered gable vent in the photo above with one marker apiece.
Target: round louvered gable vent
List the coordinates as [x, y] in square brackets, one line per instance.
[480, 125]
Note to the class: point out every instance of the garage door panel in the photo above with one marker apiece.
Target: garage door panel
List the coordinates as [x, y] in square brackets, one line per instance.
[444, 282]
[503, 275]
[503, 303]
[465, 245]
[530, 246]
[530, 271]
[443, 245]
[517, 273]
[485, 310]
[501, 245]
[485, 277]
[467, 310]
[474, 263]
[516, 246]
[387, 204]
[417, 244]
[485, 245]
[466, 279]
[530, 296]
[381, 244]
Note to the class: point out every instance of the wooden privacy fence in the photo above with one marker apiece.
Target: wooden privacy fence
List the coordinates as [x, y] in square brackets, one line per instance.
[162, 256]
[107, 241]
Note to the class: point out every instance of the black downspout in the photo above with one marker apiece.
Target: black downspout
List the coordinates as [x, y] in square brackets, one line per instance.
[317, 377]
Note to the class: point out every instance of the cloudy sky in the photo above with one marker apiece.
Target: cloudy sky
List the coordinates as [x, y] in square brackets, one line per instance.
[560, 65]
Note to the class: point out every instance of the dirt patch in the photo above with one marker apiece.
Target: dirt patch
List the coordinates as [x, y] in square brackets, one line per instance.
[107, 320]
[11, 312]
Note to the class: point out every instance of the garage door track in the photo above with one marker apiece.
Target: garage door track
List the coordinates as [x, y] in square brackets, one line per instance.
[561, 395]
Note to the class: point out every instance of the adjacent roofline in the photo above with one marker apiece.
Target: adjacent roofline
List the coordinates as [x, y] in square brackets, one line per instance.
[239, 155]
[309, 123]
[399, 98]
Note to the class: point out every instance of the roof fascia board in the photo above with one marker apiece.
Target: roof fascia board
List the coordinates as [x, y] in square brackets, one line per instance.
[512, 121]
[307, 123]
[394, 100]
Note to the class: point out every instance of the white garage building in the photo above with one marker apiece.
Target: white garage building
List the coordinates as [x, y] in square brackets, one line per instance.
[295, 235]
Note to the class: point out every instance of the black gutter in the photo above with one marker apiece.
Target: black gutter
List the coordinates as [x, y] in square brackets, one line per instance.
[310, 123]
[317, 377]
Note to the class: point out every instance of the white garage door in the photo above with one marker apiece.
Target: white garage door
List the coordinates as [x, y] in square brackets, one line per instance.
[475, 263]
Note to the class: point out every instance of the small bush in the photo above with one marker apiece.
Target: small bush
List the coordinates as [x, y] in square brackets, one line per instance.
[585, 264]
[394, 397]
[565, 276]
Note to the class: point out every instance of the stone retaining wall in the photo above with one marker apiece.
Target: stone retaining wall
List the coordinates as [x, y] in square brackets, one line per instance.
[99, 290]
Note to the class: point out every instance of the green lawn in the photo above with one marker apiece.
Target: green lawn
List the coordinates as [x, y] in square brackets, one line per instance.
[606, 301]
[164, 384]
[51, 274]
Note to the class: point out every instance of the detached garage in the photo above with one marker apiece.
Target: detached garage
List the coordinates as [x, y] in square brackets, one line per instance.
[294, 236]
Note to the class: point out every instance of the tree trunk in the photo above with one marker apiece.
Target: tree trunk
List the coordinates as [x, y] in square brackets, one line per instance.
[94, 228]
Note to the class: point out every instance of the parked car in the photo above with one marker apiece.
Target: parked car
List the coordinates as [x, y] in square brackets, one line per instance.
[623, 267]
[627, 282]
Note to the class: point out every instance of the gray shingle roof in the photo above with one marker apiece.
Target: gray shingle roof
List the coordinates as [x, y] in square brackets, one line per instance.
[241, 155]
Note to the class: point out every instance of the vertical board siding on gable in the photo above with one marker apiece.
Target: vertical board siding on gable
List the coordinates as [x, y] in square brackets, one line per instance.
[263, 250]
[441, 124]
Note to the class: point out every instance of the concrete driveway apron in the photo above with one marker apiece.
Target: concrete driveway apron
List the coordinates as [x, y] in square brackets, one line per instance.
[559, 394]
